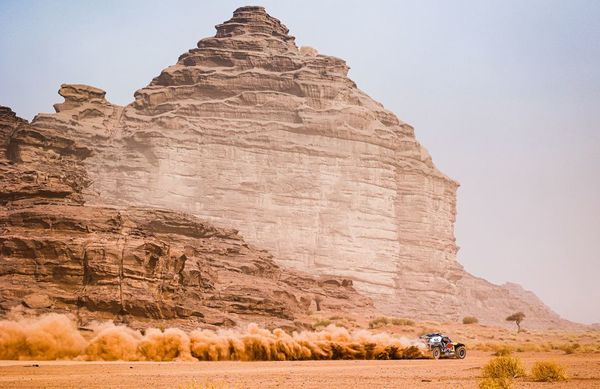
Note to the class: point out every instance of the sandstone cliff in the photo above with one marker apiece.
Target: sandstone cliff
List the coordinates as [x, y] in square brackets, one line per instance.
[133, 265]
[251, 132]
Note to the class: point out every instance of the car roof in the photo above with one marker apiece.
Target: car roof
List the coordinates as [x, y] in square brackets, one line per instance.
[432, 334]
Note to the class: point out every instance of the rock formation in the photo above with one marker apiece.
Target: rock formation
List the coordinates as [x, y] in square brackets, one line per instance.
[251, 132]
[135, 265]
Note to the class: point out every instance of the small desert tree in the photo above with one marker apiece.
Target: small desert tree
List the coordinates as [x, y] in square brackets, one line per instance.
[517, 317]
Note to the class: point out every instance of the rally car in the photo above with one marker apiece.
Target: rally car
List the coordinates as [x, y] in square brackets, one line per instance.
[442, 346]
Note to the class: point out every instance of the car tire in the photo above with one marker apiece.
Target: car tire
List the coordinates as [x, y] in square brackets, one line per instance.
[436, 352]
[461, 352]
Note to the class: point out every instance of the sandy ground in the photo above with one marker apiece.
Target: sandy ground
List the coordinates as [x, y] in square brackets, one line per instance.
[583, 369]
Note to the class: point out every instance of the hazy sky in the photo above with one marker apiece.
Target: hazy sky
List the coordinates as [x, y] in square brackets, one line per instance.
[504, 94]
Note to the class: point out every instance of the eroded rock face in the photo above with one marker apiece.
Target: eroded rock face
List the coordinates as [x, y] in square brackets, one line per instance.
[135, 265]
[252, 133]
[38, 167]
[249, 131]
[146, 265]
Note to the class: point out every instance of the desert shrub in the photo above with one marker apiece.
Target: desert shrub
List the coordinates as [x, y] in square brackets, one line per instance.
[379, 322]
[470, 320]
[342, 318]
[495, 383]
[544, 347]
[547, 371]
[504, 367]
[569, 348]
[402, 322]
[502, 351]
[322, 323]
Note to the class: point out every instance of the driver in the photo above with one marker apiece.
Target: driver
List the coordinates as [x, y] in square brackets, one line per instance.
[446, 342]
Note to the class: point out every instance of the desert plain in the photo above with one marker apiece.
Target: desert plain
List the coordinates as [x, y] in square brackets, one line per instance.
[583, 369]
[250, 184]
[577, 352]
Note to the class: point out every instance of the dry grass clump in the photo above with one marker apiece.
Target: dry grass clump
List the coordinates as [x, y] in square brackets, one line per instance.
[322, 323]
[495, 383]
[402, 322]
[548, 371]
[502, 351]
[497, 348]
[570, 348]
[500, 371]
[470, 320]
[384, 321]
[340, 321]
[504, 367]
[379, 322]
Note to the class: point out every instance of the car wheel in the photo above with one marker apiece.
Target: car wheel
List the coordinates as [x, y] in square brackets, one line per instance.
[461, 352]
[436, 352]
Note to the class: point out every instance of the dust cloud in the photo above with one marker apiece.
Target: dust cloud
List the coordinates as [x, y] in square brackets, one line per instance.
[55, 336]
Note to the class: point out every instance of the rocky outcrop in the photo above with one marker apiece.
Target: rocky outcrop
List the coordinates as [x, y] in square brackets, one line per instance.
[251, 132]
[140, 266]
[38, 167]
[134, 265]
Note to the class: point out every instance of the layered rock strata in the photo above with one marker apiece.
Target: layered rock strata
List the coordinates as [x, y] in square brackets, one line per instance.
[133, 265]
[251, 132]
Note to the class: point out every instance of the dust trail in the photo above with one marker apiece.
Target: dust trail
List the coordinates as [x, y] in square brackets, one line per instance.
[50, 336]
[56, 337]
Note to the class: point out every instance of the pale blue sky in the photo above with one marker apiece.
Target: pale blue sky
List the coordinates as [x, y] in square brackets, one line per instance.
[504, 94]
